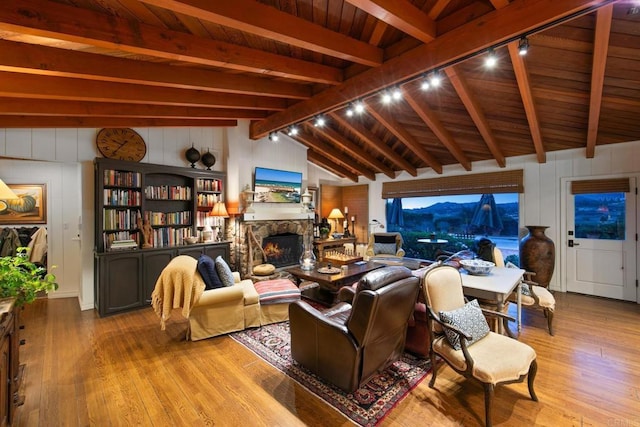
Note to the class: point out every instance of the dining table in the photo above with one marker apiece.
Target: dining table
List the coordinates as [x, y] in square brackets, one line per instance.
[496, 286]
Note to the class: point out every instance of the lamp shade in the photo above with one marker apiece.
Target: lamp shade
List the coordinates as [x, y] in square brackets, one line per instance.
[335, 214]
[220, 210]
[6, 192]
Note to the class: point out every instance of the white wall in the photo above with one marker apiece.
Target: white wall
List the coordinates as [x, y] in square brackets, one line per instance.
[543, 193]
[66, 166]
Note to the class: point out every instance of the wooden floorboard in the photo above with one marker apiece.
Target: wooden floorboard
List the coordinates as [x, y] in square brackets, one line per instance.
[123, 370]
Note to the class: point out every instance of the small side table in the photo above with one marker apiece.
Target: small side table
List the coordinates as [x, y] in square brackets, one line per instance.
[320, 246]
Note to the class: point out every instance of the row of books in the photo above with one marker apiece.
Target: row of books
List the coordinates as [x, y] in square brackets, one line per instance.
[207, 199]
[121, 197]
[169, 236]
[208, 184]
[122, 179]
[120, 219]
[168, 218]
[171, 192]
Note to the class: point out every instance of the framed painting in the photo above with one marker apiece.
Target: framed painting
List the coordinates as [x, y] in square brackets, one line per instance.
[29, 208]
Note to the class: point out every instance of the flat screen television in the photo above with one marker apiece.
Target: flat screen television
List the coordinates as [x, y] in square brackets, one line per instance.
[276, 186]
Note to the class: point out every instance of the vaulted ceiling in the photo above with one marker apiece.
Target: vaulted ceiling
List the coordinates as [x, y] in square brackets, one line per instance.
[282, 63]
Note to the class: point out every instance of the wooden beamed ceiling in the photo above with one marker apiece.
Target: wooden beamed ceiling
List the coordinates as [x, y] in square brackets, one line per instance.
[280, 64]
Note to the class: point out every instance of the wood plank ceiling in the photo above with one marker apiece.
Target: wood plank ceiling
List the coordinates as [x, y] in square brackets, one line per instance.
[283, 63]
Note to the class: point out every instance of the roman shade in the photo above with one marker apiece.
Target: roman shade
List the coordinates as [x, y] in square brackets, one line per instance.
[479, 183]
[590, 186]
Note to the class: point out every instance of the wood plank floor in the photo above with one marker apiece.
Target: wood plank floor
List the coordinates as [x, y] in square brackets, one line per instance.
[82, 370]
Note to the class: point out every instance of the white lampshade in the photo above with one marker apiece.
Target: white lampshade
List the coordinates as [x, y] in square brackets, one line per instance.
[6, 192]
[335, 214]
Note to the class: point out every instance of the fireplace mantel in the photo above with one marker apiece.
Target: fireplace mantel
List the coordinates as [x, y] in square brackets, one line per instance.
[278, 214]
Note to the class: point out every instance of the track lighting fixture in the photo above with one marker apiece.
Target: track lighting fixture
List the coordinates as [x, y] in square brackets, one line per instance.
[435, 79]
[273, 137]
[523, 46]
[424, 84]
[491, 60]
[320, 121]
[386, 97]
[396, 93]
[293, 130]
[358, 107]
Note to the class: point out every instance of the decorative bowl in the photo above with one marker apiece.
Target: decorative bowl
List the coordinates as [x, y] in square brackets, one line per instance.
[191, 240]
[477, 267]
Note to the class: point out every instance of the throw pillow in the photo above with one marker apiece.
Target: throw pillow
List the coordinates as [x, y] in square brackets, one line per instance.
[384, 248]
[207, 269]
[469, 319]
[384, 238]
[224, 271]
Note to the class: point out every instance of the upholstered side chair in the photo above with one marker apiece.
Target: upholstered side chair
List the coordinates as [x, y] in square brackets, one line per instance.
[460, 336]
[385, 245]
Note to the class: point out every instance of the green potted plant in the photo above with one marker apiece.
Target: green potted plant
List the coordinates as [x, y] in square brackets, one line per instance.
[22, 279]
[324, 232]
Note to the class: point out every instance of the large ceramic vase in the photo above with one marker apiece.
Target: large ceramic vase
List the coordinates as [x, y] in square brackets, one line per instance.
[538, 254]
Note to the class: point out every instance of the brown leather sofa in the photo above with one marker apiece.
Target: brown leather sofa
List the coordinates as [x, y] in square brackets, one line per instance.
[349, 343]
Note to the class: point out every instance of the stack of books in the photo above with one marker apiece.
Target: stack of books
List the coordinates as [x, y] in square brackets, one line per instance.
[123, 245]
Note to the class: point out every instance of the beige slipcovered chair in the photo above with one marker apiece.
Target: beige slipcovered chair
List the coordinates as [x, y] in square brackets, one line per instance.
[532, 295]
[385, 245]
[487, 357]
[210, 313]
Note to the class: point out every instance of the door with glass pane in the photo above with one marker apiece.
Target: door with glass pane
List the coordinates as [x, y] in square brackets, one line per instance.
[601, 243]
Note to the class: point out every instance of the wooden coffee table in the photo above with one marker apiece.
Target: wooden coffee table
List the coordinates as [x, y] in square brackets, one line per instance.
[330, 284]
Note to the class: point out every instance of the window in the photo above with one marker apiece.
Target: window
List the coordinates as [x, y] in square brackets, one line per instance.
[600, 216]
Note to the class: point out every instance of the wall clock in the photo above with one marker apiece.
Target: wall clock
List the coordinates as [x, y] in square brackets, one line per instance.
[121, 144]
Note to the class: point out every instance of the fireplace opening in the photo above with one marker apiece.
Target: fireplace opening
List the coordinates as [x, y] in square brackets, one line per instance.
[282, 250]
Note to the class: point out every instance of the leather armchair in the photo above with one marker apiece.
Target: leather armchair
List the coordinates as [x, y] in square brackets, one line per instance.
[349, 343]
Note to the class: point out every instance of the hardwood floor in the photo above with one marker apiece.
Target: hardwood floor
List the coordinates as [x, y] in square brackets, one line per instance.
[123, 370]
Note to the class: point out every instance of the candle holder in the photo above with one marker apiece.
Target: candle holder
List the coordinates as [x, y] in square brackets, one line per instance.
[307, 258]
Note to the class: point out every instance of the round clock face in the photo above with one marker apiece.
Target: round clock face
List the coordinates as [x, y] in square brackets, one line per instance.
[121, 144]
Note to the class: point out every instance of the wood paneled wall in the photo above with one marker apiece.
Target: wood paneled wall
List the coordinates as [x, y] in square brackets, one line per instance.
[354, 197]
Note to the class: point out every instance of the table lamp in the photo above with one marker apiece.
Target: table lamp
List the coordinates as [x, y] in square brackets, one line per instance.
[219, 211]
[335, 215]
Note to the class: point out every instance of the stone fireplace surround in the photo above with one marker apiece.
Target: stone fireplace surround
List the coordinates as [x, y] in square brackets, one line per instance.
[248, 246]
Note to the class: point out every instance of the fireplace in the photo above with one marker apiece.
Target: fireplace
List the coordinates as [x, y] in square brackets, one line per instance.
[283, 249]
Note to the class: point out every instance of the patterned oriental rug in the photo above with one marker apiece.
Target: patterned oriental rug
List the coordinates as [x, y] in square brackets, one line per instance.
[368, 405]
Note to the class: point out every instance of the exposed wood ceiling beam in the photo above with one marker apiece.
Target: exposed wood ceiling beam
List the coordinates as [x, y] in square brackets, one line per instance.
[51, 61]
[522, 78]
[387, 120]
[423, 110]
[375, 143]
[355, 151]
[100, 122]
[499, 25]
[51, 19]
[333, 167]
[266, 21]
[402, 15]
[499, 4]
[310, 137]
[36, 107]
[475, 112]
[45, 87]
[437, 8]
[600, 49]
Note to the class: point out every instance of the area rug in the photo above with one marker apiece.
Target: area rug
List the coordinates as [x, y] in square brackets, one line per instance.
[368, 405]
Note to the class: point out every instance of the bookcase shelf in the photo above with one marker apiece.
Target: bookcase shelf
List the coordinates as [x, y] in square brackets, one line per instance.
[175, 202]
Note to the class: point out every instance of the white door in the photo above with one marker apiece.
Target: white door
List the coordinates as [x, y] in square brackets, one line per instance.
[601, 244]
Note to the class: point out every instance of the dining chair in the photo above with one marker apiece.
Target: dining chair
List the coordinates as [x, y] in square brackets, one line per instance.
[461, 337]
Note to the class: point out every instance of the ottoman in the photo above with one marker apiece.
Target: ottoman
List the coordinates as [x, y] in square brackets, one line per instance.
[275, 296]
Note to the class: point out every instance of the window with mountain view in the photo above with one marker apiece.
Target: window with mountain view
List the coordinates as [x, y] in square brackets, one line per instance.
[460, 220]
[600, 216]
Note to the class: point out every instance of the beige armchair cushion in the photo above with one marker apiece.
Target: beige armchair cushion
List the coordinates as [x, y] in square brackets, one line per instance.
[497, 358]
[545, 297]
